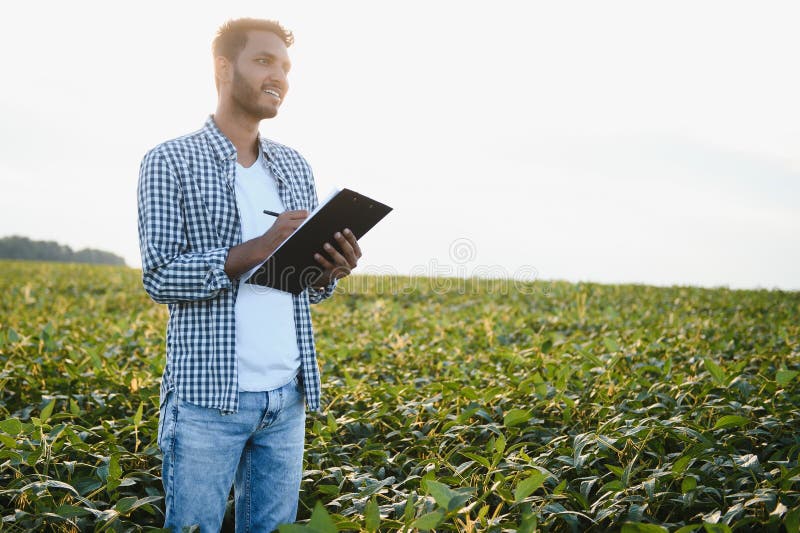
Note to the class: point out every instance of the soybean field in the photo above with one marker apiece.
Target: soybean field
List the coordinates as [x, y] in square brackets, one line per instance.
[449, 405]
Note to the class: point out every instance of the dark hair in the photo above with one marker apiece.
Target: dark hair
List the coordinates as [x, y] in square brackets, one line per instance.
[232, 36]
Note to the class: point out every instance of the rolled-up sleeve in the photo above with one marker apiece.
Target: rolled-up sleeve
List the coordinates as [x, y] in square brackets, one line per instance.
[315, 296]
[171, 273]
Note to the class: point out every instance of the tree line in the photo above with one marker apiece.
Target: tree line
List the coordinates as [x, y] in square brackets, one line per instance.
[16, 247]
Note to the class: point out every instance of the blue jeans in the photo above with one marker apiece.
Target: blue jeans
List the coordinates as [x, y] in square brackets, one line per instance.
[258, 450]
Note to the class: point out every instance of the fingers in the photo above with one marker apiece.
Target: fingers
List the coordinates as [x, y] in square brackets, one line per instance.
[298, 214]
[351, 238]
[288, 221]
[342, 262]
[338, 259]
[335, 270]
[324, 263]
[346, 246]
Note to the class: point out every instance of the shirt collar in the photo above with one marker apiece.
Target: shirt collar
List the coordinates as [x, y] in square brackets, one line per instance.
[223, 146]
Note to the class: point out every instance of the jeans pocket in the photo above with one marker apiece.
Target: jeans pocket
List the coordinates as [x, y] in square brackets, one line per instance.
[300, 390]
[164, 418]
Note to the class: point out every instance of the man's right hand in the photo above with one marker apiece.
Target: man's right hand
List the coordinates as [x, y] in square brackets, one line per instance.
[245, 256]
[286, 224]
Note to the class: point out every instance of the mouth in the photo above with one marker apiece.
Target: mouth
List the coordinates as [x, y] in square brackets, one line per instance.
[272, 92]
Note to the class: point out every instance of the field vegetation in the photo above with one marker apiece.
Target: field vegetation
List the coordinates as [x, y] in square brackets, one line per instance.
[449, 405]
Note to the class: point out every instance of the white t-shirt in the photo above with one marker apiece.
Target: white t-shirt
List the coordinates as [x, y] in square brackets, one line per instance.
[266, 342]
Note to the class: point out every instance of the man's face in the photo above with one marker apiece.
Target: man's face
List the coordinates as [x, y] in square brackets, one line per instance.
[259, 82]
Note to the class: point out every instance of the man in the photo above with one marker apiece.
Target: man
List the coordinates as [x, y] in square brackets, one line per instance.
[241, 362]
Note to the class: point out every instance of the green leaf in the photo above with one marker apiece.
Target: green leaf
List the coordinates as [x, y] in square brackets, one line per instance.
[330, 490]
[70, 511]
[461, 497]
[500, 444]
[321, 521]
[130, 503]
[408, 512]
[114, 470]
[716, 371]
[731, 421]
[73, 407]
[689, 529]
[331, 422]
[639, 527]
[477, 458]
[784, 377]
[48, 410]
[125, 504]
[681, 464]
[440, 492]
[717, 528]
[792, 521]
[616, 470]
[137, 418]
[429, 521]
[529, 485]
[611, 344]
[114, 473]
[688, 484]
[12, 426]
[528, 523]
[50, 484]
[516, 417]
[612, 486]
[372, 516]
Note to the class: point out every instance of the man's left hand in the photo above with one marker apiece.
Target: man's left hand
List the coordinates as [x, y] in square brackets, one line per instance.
[343, 262]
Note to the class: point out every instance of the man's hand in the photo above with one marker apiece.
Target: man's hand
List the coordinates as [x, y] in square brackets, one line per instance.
[343, 262]
[286, 224]
[245, 256]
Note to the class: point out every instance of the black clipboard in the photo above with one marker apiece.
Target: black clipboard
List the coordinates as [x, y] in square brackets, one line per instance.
[291, 267]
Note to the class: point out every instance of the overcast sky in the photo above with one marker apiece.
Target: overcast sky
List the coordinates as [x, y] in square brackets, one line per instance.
[648, 142]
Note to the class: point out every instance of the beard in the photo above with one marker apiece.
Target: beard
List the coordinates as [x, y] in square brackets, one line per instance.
[247, 98]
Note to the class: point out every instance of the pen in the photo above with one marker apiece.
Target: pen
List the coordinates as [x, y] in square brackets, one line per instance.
[273, 213]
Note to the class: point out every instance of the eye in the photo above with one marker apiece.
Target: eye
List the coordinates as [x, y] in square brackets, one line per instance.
[263, 61]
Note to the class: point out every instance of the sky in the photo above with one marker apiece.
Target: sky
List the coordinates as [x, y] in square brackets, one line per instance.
[614, 142]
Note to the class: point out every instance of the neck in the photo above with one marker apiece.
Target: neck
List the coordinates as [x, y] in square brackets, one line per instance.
[241, 129]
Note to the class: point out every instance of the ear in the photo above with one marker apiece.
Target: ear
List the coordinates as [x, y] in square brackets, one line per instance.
[223, 70]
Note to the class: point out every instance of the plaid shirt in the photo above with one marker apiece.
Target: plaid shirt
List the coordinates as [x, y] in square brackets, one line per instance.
[188, 220]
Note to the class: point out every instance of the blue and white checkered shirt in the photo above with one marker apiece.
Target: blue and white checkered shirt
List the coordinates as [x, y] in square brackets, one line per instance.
[188, 220]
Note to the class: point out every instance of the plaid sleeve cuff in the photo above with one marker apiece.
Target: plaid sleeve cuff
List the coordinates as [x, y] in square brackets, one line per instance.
[216, 278]
[317, 295]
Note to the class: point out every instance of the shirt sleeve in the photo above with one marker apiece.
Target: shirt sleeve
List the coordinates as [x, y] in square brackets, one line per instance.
[315, 296]
[170, 273]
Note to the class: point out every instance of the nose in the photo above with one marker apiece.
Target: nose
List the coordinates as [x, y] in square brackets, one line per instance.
[278, 77]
